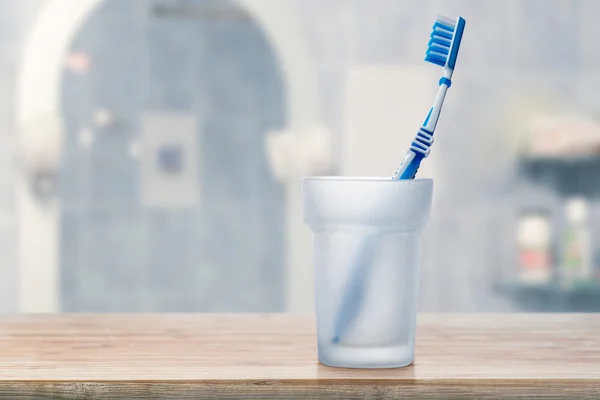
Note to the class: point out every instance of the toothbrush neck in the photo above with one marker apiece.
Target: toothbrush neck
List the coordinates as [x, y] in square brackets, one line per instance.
[445, 83]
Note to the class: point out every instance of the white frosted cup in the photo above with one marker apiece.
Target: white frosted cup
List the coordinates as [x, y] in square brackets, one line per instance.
[366, 235]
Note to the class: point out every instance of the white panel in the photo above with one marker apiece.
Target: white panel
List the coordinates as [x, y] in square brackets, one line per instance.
[385, 106]
[169, 161]
[38, 252]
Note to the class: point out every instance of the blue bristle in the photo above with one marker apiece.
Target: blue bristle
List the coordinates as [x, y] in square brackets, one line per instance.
[440, 41]
[435, 60]
[438, 49]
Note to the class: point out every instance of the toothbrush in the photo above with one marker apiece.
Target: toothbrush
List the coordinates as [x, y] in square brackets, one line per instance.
[442, 51]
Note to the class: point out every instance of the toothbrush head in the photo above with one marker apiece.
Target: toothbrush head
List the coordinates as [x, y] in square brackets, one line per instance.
[445, 41]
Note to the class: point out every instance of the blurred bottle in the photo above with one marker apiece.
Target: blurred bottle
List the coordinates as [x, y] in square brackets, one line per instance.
[577, 259]
[535, 250]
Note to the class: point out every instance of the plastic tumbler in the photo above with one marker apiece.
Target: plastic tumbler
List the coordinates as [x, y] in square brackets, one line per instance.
[366, 234]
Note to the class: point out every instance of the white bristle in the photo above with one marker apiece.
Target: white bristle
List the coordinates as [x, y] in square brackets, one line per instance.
[444, 30]
[446, 20]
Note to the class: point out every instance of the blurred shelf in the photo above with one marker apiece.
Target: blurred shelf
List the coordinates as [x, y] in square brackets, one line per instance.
[580, 297]
[568, 175]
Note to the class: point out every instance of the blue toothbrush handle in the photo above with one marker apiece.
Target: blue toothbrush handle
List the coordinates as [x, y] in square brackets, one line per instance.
[421, 146]
[419, 149]
[413, 167]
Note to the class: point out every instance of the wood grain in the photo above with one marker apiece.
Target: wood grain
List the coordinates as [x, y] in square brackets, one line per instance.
[274, 356]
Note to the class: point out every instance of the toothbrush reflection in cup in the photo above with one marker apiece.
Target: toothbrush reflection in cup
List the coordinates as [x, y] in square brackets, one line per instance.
[353, 297]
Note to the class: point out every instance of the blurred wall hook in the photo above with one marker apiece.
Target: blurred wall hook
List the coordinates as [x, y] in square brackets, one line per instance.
[40, 148]
[293, 154]
[104, 118]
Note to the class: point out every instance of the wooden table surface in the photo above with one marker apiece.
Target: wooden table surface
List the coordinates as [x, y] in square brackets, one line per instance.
[274, 356]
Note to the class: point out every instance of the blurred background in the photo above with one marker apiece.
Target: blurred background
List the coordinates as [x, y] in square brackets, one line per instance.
[151, 150]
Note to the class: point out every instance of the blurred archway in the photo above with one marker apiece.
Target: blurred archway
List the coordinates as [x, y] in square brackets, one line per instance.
[43, 133]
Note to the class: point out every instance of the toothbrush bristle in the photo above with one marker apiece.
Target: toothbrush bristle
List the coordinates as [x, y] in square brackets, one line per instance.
[446, 20]
[441, 42]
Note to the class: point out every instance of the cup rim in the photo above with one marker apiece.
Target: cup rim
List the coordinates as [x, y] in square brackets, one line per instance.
[332, 178]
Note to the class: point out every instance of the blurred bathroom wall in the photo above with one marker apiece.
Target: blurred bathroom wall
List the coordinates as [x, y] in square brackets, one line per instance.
[171, 197]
